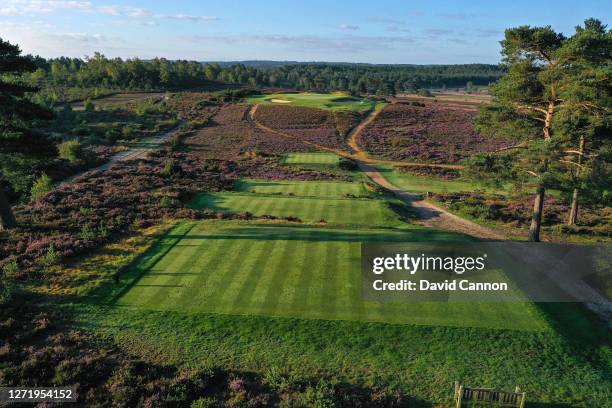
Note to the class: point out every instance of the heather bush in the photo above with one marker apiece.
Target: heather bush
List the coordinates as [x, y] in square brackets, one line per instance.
[312, 125]
[319, 396]
[41, 186]
[230, 135]
[430, 133]
[516, 211]
[77, 216]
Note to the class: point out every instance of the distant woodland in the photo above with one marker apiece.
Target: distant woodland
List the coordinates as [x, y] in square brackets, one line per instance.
[98, 74]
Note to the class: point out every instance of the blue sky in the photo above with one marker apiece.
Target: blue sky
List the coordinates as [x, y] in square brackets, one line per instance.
[412, 32]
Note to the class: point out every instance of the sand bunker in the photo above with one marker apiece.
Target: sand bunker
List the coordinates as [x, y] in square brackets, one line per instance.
[279, 100]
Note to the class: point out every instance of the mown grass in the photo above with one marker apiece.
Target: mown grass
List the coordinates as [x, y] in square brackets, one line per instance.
[332, 101]
[272, 296]
[323, 162]
[565, 363]
[311, 158]
[293, 271]
[345, 211]
[415, 183]
[323, 189]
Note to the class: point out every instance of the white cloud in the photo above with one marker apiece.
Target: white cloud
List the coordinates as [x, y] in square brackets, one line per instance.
[29, 7]
[188, 17]
[345, 26]
[79, 37]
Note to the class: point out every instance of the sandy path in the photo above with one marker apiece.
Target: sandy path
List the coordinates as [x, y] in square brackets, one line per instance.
[428, 213]
[136, 153]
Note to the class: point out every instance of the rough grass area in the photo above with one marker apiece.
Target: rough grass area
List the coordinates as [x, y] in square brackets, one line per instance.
[416, 183]
[346, 211]
[333, 101]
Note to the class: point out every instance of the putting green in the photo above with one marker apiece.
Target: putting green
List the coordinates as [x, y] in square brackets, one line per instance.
[333, 101]
[240, 267]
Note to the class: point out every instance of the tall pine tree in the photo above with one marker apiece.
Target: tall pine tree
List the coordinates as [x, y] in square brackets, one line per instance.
[16, 113]
[526, 101]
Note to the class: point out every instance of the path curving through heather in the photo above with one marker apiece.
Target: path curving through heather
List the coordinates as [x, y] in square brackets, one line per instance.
[428, 214]
[135, 153]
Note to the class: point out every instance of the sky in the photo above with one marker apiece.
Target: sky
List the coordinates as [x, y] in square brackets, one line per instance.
[384, 32]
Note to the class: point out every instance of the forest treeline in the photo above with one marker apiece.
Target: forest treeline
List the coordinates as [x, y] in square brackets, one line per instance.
[53, 76]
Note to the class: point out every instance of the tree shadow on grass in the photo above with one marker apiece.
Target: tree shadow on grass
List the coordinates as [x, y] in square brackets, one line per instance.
[110, 293]
[280, 233]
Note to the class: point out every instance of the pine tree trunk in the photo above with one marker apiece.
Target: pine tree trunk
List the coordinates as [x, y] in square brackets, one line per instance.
[536, 217]
[573, 217]
[7, 219]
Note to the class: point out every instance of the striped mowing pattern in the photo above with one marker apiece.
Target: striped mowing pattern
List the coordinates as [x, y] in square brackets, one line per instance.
[304, 188]
[292, 271]
[309, 209]
[311, 158]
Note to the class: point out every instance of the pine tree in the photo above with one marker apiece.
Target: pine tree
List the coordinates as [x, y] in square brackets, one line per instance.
[16, 112]
[525, 102]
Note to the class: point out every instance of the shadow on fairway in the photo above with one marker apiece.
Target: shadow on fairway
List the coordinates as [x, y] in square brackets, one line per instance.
[291, 233]
[110, 293]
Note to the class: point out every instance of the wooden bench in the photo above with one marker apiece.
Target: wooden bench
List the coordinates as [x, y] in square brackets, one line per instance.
[488, 397]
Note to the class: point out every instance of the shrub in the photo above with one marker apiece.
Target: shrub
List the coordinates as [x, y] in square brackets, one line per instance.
[87, 233]
[43, 185]
[176, 141]
[6, 282]
[71, 150]
[168, 170]
[320, 396]
[348, 164]
[88, 105]
[168, 202]
[50, 257]
[206, 402]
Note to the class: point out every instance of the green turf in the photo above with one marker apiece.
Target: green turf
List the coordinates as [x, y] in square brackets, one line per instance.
[263, 296]
[347, 211]
[322, 189]
[271, 295]
[294, 271]
[333, 101]
[422, 184]
[311, 158]
[322, 162]
[421, 361]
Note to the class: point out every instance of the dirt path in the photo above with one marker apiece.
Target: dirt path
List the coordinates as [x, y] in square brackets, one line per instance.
[132, 154]
[356, 131]
[428, 213]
